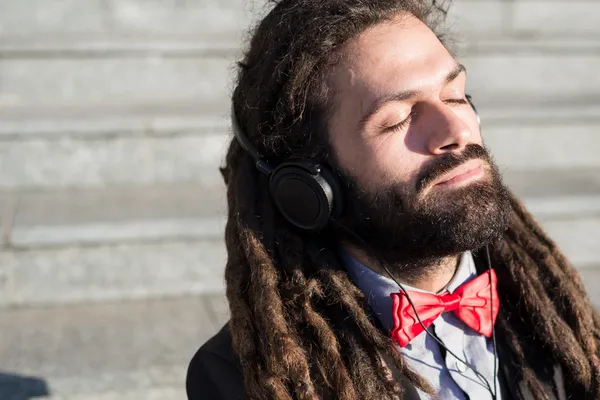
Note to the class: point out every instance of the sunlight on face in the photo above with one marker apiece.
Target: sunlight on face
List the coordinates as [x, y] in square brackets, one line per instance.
[400, 103]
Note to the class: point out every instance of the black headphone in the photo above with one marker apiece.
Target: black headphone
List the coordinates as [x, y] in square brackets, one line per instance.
[306, 193]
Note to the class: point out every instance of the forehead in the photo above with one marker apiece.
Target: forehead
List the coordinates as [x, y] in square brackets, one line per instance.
[400, 54]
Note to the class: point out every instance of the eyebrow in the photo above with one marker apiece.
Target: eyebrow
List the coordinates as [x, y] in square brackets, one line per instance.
[404, 95]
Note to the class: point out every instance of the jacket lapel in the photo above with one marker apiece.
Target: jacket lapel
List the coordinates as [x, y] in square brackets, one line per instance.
[514, 388]
[410, 392]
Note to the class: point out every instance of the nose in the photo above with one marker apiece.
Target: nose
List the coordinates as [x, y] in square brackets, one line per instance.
[448, 132]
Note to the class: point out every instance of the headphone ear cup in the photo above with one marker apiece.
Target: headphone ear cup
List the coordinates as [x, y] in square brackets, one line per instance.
[336, 188]
[303, 195]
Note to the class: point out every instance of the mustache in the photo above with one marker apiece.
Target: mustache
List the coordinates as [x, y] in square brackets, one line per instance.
[448, 162]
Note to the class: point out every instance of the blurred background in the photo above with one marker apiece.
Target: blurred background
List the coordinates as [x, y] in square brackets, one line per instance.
[113, 121]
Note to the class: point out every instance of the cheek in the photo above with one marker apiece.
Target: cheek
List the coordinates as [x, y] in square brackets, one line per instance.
[386, 160]
[349, 154]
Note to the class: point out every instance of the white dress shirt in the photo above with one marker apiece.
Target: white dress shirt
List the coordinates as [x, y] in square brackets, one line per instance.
[450, 378]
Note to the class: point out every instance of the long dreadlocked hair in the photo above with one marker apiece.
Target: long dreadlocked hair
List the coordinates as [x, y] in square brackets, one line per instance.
[301, 328]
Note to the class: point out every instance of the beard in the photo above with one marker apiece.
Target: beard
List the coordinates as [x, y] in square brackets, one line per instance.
[411, 231]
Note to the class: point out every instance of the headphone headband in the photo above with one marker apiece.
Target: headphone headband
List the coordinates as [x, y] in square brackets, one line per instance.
[242, 139]
[304, 192]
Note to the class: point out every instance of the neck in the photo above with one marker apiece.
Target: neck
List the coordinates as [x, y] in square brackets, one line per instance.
[433, 278]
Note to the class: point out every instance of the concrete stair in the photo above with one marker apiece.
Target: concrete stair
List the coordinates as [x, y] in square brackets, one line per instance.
[134, 351]
[114, 121]
[111, 244]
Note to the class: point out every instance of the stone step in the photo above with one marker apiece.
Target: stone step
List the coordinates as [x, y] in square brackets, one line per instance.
[111, 272]
[155, 393]
[97, 150]
[101, 121]
[127, 350]
[37, 17]
[130, 80]
[526, 17]
[230, 43]
[529, 74]
[202, 115]
[115, 215]
[141, 160]
[121, 81]
[111, 244]
[129, 16]
[198, 211]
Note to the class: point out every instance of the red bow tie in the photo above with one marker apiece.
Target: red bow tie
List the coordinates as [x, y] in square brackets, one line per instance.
[470, 302]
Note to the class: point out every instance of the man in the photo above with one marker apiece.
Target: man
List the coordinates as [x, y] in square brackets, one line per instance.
[373, 251]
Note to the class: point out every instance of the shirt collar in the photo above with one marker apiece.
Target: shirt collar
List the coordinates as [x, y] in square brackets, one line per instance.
[378, 288]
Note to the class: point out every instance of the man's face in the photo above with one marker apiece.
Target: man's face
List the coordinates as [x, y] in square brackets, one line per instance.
[403, 133]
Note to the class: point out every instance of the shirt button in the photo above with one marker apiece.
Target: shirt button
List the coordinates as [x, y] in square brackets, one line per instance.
[460, 366]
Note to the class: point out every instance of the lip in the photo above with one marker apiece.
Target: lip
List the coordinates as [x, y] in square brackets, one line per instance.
[468, 171]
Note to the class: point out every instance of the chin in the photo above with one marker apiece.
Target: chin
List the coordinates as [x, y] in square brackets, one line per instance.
[466, 218]
[472, 216]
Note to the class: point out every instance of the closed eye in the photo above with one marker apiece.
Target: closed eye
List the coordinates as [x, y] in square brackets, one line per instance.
[456, 101]
[401, 125]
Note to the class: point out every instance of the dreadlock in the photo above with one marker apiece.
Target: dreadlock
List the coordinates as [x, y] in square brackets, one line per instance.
[301, 328]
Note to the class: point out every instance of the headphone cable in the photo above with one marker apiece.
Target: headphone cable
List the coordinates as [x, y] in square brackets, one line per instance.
[434, 337]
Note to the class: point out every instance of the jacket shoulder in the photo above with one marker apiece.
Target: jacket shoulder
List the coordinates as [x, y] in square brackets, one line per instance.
[214, 372]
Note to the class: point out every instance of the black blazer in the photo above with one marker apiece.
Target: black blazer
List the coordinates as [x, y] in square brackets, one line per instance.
[215, 373]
